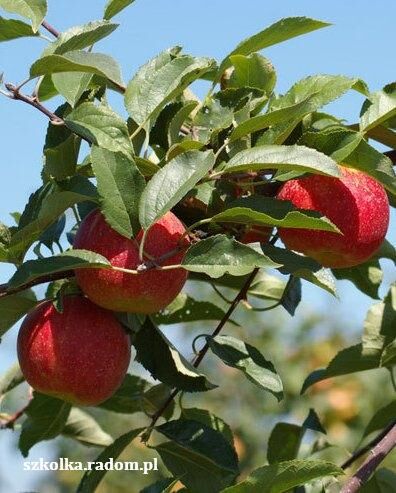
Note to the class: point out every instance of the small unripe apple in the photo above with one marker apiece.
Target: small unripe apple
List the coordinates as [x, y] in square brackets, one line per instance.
[146, 292]
[356, 203]
[80, 355]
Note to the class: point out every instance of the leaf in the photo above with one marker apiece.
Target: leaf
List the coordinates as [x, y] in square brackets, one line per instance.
[381, 419]
[120, 185]
[282, 30]
[312, 422]
[291, 297]
[92, 478]
[294, 112]
[11, 379]
[80, 37]
[79, 61]
[71, 85]
[14, 307]
[252, 71]
[44, 211]
[127, 398]
[47, 417]
[154, 398]
[349, 360]
[219, 254]
[70, 260]
[284, 442]
[379, 107]
[160, 81]
[301, 266]
[283, 476]
[177, 121]
[211, 119]
[198, 455]
[113, 7]
[268, 211]
[171, 183]
[35, 10]
[285, 158]
[184, 309]
[238, 354]
[158, 355]
[382, 481]
[366, 277]
[13, 29]
[82, 427]
[162, 486]
[209, 419]
[101, 126]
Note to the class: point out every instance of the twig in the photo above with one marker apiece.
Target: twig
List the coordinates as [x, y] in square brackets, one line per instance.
[50, 29]
[385, 445]
[364, 450]
[6, 291]
[10, 421]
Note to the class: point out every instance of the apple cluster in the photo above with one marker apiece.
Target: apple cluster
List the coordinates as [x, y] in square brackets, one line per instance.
[81, 354]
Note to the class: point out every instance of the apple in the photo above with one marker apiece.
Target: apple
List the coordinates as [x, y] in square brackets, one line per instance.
[356, 203]
[80, 355]
[146, 292]
[254, 233]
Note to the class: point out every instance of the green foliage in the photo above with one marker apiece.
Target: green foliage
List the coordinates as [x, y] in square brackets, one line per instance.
[12, 29]
[34, 10]
[82, 427]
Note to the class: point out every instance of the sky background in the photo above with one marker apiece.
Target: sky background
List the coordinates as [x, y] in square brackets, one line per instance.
[358, 44]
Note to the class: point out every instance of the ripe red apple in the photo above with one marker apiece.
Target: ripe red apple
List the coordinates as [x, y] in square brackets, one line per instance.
[147, 292]
[356, 203]
[80, 355]
[254, 233]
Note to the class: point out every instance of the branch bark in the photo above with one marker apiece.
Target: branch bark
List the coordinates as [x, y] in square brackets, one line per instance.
[384, 443]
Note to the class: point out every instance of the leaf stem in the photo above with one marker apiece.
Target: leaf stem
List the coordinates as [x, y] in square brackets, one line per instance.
[50, 29]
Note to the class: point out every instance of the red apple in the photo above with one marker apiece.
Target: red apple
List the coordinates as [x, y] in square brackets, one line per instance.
[80, 355]
[147, 292]
[254, 233]
[356, 203]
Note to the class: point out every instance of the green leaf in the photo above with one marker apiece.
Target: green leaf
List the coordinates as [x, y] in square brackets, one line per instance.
[276, 33]
[291, 297]
[160, 81]
[45, 208]
[177, 121]
[82, 427]
[366, 277]
[283, 476]
[349, 360]
[219, 254]
[71, 85]
[80, 37]
[382, 481]
[101, 126]
[293, 113]
[209, 419]
[70, 260]
[268, 211]
[127, 398]
[154, 398]
[285, 158]
[171, 183]
[120, 185]
[238, 354]
[61, 149]
[11, 379]
[284, 442]
[35, 10]
[312, 422]
[381, 419]
[379, 107]
[252, 71]
[79, 61]
[92, 478]
[47, 417]
[161, 486]
[113, 7]
[211, 119]
[158, 355]
[13, 29]
[184, 309]
[14, 307]
[198, 455]
[301, 266]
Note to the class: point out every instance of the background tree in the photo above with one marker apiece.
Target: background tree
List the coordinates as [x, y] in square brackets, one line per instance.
[217, 163]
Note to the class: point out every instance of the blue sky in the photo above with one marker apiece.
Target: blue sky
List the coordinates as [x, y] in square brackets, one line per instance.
[359, 43]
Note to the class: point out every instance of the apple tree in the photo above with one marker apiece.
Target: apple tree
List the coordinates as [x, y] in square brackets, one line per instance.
[245, 191]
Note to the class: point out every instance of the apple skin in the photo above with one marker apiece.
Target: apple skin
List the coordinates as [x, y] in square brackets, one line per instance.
[80, 355]
[147, 292]
[356, 203]
[254, 233]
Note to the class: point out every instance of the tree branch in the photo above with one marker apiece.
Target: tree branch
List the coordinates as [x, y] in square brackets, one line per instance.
[50, 29]
[5, 291]
[386, 442]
